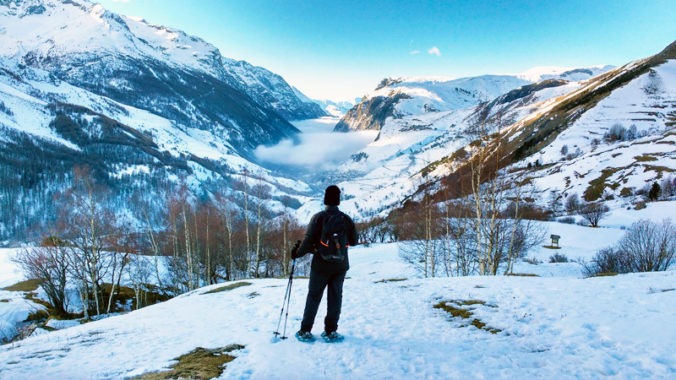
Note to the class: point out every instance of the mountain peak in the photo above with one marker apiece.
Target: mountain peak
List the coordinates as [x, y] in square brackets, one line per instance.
[50, 29]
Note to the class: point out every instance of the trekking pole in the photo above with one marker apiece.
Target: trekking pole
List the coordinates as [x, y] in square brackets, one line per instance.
[286, 302]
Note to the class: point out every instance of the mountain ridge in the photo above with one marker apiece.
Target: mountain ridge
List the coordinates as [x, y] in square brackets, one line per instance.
[146, 106]
[396, 97]
[106, 64]
[539, 134]
[424, 146]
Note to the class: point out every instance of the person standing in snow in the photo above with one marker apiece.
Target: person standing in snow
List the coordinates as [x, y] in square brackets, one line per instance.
[328, 235]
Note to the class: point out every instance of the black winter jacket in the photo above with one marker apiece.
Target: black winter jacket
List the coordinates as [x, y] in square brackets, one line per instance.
[313, 235]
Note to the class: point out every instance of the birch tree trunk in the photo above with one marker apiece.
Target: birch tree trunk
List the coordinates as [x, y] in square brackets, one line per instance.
[188, 249]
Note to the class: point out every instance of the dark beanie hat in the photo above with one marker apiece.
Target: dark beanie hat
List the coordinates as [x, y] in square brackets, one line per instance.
[332, 196]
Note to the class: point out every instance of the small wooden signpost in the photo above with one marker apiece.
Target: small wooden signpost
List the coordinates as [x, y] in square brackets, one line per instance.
[555, 240]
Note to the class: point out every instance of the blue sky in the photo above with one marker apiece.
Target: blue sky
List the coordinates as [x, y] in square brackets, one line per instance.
[342, 49]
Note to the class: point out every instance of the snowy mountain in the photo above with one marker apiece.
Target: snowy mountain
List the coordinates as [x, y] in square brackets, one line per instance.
[572, 74]
[150, 107]
[552, 326]
[144, 106]
[397, 98]
[400, 97]
[271, 89]
[155, 68]
[425, 140]
[608, 139]
[336, 109]
[388, 170]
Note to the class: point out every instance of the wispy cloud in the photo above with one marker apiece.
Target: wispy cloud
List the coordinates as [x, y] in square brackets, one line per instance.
[434, 51]
[121, 1]
[414, 52]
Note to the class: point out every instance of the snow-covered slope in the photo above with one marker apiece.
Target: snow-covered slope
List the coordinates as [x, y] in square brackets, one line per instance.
[48, 126]
[573, 74]
[396, 98]
[381, 175]
[555, 326]
[399, 97]
[146, 106]
[606, 140]
[162, 70]
[646, 108]
[335, 109]
[269, 88]
[553, 132]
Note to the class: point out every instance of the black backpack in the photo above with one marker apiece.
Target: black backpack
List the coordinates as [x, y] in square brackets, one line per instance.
[333, 242]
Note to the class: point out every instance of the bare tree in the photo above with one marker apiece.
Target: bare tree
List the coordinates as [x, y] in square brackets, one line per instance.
[487, 196]
[261, 192]
[139, 271]
[648, 246]
[460, 243]
[88, 228]
[290, 231]
[423, 225]
[375, 230]
[572, 203]
[523, 233]
[246, 213]
[227, 215]
[185, 268]
[49, 263]
[668, 187]
[491, 228]
[154, 244]
[593, 212]
[500, 232]
[188, 246]
[554, 202]
[124, 246]
[606, 261]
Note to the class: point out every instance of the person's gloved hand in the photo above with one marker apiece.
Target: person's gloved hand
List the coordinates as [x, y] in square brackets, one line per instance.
[294, 250]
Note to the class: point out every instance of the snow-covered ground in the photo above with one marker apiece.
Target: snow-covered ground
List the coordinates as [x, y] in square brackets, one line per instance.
[10, 273]
[559, 325]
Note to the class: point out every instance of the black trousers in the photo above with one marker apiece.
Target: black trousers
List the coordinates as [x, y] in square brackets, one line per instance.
[318, 282]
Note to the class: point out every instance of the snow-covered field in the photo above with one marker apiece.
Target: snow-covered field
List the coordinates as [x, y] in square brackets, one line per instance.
[558, 326]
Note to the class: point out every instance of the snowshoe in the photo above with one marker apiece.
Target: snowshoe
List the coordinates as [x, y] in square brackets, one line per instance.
[305, 336]
[332, 337]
